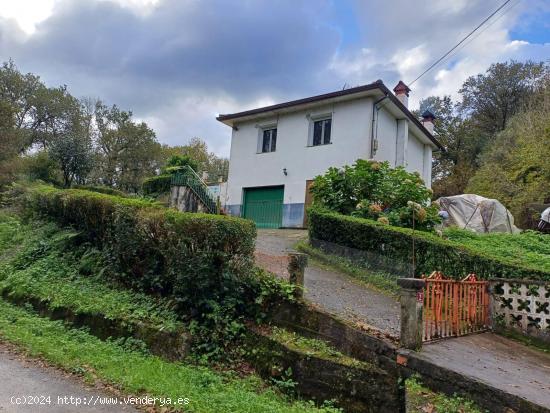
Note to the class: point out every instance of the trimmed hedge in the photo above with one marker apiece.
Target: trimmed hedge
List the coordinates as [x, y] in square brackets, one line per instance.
[394, 245]
[102, 189]
[157, 185]
[189, 257]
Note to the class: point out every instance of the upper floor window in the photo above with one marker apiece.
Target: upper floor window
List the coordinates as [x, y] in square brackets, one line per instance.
[269, 140]
[321, 131]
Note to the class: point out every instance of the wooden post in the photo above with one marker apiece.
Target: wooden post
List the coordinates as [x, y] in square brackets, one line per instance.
[297, 263]
[412, 303]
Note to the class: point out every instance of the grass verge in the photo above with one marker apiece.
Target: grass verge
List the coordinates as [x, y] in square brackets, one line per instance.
[377, 280]
[422, 400]
[136, 373]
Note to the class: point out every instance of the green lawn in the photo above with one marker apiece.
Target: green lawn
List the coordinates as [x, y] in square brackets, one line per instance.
[528, 249]
[422, 400]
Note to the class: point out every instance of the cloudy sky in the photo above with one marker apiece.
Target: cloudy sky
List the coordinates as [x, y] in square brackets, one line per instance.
[178, 63]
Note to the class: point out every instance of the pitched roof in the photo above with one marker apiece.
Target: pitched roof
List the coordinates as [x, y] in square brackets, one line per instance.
[227, 118]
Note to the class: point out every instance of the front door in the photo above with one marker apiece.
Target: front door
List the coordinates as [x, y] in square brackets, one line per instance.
[264, 206]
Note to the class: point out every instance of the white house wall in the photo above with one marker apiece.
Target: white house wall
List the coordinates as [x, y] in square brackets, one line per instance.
[350, 141]
[386, 135]
[350, 137]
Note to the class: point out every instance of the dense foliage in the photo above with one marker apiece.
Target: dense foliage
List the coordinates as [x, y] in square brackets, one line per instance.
[468, 127]
[516, 169]
[203, 262]
[160, 184]
[43, 262]
[457, 256]
[371, 189]
[48, 134]
[156, 185]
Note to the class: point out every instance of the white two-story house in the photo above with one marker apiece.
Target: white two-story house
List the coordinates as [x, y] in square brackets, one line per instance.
[276, 151]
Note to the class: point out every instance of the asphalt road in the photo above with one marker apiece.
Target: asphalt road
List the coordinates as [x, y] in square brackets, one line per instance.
[27, 386]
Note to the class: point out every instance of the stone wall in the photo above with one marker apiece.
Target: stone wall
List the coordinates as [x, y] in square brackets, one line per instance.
[355, 386]
[184, 199]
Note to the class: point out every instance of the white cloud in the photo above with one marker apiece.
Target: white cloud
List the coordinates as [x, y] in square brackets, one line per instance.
[27, 13]
[178, 63]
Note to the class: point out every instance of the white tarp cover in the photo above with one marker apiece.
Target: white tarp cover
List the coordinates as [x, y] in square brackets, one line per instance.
[476, 213]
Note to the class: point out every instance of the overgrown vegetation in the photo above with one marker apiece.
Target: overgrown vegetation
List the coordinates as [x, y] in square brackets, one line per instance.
[469, 127]
[422, 400]
[462, 254]
[203, 263]
[313, 347]
[371, 189]
[47, 264]
[136, 373]
[515, 169]
[160, 184]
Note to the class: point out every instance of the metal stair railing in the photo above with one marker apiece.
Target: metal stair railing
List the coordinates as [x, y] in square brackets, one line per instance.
[189, 178]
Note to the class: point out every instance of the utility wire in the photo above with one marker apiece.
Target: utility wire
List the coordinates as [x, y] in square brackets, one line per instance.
[461, 41]
[481, 31]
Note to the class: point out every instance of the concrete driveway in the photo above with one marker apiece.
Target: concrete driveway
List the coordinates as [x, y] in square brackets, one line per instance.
[335, 292]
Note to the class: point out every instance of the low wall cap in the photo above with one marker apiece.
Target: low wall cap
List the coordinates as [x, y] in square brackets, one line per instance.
[411, 283]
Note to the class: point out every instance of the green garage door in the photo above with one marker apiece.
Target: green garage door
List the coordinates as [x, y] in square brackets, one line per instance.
[264, 206]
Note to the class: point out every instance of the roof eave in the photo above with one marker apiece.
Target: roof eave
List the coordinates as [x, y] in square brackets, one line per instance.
[229, 119]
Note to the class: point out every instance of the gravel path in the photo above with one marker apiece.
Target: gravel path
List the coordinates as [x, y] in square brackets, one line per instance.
[337, 293]
[27, 381]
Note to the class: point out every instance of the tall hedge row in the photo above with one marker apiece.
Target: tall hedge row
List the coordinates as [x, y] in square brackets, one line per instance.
[190, 257]
[157, 185]
[431, 252]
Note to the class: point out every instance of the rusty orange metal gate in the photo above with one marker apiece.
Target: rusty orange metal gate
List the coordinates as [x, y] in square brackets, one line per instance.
[454, 308]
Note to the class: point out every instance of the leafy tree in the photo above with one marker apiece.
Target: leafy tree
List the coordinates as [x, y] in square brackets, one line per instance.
[469, 127]
[40, 112]
[205, 161]
[40, 166]
[10, 144]
[492, 98]
[516, 168]
[72, 149]
[371, 189]
[127, 151]
[176, 162]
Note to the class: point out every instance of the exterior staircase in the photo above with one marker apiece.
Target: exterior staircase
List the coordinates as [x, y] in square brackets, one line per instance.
[189, 179]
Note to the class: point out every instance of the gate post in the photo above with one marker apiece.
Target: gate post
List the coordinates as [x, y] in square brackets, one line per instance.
[412, 303]
[297, 263]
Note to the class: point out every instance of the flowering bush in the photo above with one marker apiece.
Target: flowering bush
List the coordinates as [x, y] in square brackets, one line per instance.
[371, 189]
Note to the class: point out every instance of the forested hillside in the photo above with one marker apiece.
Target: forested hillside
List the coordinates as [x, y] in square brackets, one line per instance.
[48, 134]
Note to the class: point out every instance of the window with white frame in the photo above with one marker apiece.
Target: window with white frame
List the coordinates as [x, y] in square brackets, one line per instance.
[320, 131]
[268, 140]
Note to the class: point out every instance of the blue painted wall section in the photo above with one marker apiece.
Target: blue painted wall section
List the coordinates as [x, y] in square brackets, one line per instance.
[293, 215]
[234, 210]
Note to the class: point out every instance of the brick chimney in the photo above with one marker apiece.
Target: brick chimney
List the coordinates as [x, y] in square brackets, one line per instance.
[402, 93]
[428, 120]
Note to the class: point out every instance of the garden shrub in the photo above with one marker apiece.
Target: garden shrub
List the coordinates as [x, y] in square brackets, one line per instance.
[371, 189]
[431, 251]
[160, 184]
[156, 185]
[158, 249]
[102, 189]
